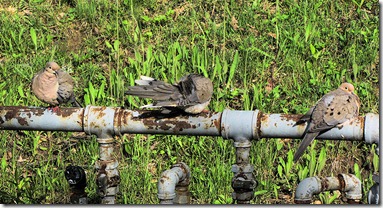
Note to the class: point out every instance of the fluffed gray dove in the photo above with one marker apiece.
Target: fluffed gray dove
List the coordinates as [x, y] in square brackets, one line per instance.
[332, 110]
[192, 94]
[54, 86]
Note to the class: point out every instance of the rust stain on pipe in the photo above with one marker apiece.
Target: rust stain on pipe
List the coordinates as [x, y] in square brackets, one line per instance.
[261, 117]
[12, 113]
[100, 112]
[167, 124]
[291, 117]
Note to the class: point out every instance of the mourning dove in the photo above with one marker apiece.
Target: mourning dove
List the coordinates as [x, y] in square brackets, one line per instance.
[333, 109]
[192, 94]
[54, 86]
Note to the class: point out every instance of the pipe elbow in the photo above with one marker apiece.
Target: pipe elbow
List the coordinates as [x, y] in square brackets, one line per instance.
[351, 185]
[305, 190]
[167, 185]
[179, 174]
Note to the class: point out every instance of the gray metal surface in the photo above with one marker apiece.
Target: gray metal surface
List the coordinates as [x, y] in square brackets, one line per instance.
[173, 182]
[241, 126]
[111, 121]
[347, 183]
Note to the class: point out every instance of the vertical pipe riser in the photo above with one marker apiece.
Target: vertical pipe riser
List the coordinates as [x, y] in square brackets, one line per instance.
[100, 121]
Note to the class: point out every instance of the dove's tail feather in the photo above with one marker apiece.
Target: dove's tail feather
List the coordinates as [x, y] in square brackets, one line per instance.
[302, 120]
[305, 117]
[307, 139]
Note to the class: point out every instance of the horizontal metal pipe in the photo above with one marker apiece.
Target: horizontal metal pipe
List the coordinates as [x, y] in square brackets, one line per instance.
[146, 122]
[37, 118]
[281, 126]
[106, 122]
[347, 183]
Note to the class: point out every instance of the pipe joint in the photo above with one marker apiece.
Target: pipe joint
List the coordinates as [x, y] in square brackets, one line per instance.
[108, 179]
[243, 188]
[243, 143]
[347, 183]
[173, 185]
[351, 185]
[306, 188]
[185, 177]
[240, 125]
[182, 195]
[99, 121]
[371, 128]
[243, 183]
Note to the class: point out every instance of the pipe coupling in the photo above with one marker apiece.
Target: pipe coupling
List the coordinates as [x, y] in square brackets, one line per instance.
[371, 128]
[239, 125]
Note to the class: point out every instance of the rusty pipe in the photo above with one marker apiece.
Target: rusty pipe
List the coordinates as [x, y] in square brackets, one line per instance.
[177, 176]
[243, 182]
[230, 124]
[347, 183]
[108, 176]
[37, 118]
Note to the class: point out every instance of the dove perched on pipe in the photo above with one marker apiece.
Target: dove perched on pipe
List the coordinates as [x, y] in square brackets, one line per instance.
[332, 110]
[54, 86]
[192, 94]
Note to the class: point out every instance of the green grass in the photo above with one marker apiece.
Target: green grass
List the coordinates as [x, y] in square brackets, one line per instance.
[275, 56]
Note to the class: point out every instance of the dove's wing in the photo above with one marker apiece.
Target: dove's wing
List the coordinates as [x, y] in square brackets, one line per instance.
[333, 109]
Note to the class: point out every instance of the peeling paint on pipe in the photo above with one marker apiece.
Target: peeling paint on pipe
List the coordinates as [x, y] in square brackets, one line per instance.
[34, 118]
[141, 122]
[179, 173]
[230, 124]
[99, 121]
[347, 183]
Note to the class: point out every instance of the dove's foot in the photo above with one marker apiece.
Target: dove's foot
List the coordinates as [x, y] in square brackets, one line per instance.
[205, 111]
[54, 109]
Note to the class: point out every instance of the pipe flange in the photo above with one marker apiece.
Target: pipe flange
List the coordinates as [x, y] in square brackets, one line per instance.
[166, 196]
[105, 140]
[244, 143]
